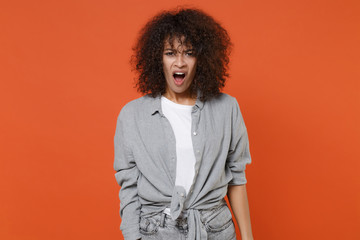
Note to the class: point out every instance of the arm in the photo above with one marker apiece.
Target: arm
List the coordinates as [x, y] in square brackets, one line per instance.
[126, 175]
[239, 204]
[238, 158]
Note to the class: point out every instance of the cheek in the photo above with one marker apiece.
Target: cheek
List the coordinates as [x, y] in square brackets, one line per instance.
[165, 70]
[164, 63]
[194, 63]
[193, 70]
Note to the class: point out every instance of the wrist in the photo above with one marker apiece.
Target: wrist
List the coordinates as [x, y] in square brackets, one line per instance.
[247, 237]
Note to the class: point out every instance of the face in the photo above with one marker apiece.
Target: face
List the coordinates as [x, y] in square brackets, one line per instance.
[179, 65]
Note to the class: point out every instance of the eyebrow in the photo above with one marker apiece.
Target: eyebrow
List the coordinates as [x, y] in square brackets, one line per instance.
[173, 49]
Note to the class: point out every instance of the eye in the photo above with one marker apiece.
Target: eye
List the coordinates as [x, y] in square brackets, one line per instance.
[189, 53]
[169, 53]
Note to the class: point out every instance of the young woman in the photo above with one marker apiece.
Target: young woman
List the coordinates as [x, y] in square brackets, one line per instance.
[183, 146]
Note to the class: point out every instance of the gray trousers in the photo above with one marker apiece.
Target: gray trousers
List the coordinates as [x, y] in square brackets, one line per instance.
[217, 222]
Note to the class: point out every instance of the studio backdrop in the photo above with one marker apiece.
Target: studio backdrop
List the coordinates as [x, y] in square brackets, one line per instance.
[65, 75]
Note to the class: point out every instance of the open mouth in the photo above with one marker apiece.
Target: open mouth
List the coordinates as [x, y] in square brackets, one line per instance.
[179, 77]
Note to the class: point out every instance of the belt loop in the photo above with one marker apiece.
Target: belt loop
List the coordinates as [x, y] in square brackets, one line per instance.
[162, 220]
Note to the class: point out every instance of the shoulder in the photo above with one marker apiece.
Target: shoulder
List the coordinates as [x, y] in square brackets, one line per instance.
[224, 101]
[137, 106]
[226, 106]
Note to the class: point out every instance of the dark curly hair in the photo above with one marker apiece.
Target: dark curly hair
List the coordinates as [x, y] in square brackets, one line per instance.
[209, 40]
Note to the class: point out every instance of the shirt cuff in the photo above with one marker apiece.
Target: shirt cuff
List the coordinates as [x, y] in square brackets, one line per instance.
[238, 178]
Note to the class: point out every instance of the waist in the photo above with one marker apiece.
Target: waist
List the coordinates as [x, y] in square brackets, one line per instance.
[151, 210]
[202, 211]
[167, 211]
[184, 222]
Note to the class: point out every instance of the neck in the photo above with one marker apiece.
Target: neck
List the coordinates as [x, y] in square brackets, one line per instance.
[185, 98]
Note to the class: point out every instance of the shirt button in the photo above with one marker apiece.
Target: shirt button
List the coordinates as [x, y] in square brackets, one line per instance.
[197, 171]
[181, 194]
[195, 133]
[197, 151]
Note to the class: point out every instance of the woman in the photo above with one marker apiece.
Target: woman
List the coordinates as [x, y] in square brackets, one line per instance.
[183, 146]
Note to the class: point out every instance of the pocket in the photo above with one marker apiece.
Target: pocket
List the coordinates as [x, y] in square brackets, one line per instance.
[219, 219]
[149, 225]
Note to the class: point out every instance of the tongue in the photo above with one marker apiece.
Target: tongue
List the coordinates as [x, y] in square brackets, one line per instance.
[178, 80]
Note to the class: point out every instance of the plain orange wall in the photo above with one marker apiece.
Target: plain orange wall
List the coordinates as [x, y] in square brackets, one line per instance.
[65, 75]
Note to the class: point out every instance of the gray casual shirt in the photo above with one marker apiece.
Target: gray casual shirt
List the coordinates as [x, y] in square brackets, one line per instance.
[145, 160]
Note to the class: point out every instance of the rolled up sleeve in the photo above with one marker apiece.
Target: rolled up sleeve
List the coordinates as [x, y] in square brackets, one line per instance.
[239, 152]
[126, 175]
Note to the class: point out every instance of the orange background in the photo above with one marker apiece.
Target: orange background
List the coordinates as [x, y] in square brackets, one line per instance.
[65, 74]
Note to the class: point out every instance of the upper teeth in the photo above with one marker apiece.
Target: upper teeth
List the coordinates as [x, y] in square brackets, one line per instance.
[179, 73]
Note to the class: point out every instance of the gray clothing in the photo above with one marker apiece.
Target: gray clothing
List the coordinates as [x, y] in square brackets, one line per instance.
[145, 161]
[217, 223]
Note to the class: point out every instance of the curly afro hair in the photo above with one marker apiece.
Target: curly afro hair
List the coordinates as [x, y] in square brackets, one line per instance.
[209, 40]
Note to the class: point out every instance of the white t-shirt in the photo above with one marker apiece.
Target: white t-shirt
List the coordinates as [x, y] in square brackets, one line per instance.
[179, 117]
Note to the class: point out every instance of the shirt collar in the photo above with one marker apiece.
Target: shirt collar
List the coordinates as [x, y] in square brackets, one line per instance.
[155, 105]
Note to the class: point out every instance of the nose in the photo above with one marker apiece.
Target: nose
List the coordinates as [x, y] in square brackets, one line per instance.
[180, 62]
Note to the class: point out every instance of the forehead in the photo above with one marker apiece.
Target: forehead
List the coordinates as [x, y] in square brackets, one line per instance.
[176, 42]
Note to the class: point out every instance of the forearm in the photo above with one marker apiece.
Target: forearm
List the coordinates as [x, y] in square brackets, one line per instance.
[237, 196]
